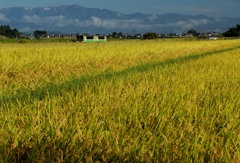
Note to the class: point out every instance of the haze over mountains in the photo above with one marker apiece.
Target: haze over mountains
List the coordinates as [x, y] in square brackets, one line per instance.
[78, 19]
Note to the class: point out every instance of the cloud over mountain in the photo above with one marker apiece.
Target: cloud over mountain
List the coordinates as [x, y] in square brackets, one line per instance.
[191, 23]
[3, 18]
[75, 18]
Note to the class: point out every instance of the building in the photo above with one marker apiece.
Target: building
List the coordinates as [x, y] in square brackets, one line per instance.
[212, 38]
[91, 38]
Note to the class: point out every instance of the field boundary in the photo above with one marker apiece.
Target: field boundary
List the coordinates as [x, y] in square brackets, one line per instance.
[77, 83]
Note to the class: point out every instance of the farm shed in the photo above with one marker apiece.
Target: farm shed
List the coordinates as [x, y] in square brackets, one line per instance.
[91, 38]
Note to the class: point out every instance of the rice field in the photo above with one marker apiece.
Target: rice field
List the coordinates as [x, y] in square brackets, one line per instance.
[120, 101]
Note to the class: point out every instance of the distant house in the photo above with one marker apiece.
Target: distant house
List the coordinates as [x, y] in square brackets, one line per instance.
[212, 38]
[91, 38]
[138, 36]
[208, 34]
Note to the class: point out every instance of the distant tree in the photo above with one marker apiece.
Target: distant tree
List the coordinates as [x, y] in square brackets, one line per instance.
[150, 35]
[193, 32]
[114, 34]
[39, 33]
[233, 32]
[8, 32]
[120, 34]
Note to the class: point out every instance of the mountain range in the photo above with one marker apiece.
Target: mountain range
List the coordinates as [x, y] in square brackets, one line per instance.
[78, 19]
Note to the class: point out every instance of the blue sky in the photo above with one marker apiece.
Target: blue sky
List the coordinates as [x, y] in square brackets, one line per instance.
[214, 8]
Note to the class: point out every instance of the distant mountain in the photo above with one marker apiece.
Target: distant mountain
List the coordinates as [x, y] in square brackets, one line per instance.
[78, 19]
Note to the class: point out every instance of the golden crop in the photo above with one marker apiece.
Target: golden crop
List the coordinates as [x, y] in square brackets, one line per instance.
[126, 101]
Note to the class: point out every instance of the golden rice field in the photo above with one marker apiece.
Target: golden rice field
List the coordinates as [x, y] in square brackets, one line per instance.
[120, 101]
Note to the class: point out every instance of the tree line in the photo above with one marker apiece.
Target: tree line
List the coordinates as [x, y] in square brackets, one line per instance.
[39, 33]
[5, 30]
[233, 32]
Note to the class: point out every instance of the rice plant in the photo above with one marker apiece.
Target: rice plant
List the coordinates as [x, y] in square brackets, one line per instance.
[125, 101]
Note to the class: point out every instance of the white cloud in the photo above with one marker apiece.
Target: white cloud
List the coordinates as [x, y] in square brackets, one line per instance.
[58, 21]
[219, 20]
[62, 21]
[26, 8]
[189, 24]
[152, 17]
[3, 18]
[137, 23]
[109, 23]
[31, 19]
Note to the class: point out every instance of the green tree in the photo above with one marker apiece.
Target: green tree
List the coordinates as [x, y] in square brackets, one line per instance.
[233, 32]
[150, 35]
[193, 32]
[8, 32]
[114, 34]
[120, 34]
[39, 33]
